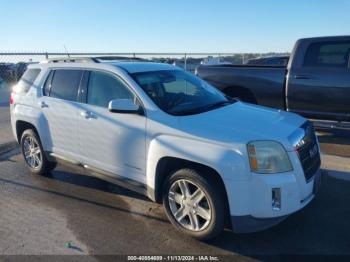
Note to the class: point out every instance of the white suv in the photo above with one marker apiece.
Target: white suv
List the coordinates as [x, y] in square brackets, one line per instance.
[154, 128]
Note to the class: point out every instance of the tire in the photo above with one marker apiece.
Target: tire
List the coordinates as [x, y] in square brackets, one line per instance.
[41, 165]
[248, 99]
[191, 218]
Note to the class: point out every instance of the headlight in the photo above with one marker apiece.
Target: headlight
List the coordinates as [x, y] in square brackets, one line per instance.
[268, 157]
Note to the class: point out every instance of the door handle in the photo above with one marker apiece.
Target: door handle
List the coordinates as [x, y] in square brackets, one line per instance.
[302, 77]
[43, 104]
[88, 115]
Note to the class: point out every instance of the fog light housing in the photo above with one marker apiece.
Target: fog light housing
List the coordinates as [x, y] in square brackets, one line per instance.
[276, 199]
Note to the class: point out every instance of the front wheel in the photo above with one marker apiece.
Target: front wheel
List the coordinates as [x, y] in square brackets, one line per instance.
[193, 204]
[33, 153]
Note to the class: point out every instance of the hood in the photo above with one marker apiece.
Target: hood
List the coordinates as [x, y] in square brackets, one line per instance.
[242, 123]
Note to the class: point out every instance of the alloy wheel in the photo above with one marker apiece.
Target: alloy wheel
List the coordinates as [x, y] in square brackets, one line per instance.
[32, 152]
[189, 205]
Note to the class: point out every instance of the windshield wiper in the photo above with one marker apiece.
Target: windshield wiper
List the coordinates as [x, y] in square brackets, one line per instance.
[217, 105]
[187, 112]
[204, 109]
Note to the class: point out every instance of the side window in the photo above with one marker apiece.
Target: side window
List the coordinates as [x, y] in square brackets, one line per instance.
[328, 54]
[65, 84]
[103, 87]
[27, 80]
[47, 85]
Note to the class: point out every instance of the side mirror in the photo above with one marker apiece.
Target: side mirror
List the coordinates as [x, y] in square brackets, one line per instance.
[124, 106]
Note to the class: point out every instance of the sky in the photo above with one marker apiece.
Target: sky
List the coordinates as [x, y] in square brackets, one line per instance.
[167, 25]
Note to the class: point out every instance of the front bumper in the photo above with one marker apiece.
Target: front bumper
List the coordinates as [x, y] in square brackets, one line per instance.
[256, 211]
[249, 224]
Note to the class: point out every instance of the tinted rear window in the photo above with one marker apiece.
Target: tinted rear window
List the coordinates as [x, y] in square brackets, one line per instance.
[65, 84]
[27, 80]
[328, 54]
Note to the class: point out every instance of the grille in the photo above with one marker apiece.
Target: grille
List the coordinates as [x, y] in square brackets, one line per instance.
[309, 154]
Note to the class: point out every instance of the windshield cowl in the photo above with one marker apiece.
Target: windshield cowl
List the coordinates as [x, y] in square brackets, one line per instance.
[204, 109]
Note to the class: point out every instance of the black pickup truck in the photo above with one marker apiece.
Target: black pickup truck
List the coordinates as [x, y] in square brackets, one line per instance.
[315, 83]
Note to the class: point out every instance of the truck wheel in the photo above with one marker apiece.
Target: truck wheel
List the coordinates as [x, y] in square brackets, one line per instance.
[242, 94]
[33, 153]
[193, 204]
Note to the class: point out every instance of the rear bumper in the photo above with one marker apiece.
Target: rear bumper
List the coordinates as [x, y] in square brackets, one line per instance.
[13, 126]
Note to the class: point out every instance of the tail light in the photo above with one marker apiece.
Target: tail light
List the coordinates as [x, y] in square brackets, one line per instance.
[12, 98]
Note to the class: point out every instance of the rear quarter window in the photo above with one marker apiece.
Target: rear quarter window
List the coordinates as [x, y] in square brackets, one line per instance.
[27, 80]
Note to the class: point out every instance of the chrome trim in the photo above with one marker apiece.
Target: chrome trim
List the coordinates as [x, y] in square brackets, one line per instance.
[297, 136]
[54, 155]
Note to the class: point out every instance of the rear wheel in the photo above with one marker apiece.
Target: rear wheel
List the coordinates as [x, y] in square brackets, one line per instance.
[33, 153]
[193, 204]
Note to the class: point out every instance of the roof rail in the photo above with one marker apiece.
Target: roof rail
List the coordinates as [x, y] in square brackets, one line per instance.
[120, 58]
[72, 60]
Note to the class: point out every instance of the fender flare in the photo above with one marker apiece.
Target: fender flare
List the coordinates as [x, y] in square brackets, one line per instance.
[224, 161]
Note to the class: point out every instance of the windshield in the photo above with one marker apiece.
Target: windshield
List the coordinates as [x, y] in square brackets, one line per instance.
[180, 93]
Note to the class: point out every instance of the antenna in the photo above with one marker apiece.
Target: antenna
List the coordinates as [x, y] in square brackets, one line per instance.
[66, 50]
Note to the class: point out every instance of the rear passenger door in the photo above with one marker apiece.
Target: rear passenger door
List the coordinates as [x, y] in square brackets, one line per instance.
[60, 108]
[319, 87]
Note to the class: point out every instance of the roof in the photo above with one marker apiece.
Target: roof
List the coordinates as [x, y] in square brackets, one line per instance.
[137, 67]
[326, 38]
